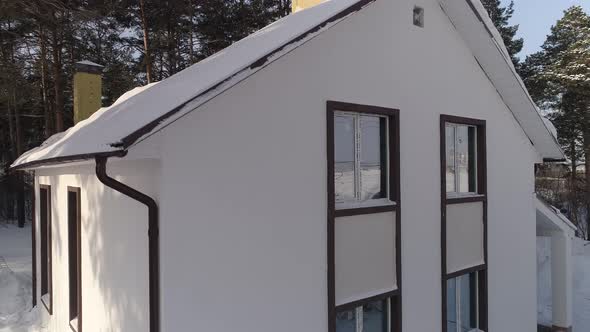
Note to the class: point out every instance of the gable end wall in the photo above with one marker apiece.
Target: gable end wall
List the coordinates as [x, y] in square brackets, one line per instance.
[243, 198]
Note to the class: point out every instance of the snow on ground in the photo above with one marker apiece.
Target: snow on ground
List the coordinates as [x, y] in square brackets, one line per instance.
[581, 286]
[16, 314]
[581, 271]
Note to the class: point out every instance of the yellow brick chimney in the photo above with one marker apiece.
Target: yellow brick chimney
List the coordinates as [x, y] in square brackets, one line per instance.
[87, 89]
[297, 5]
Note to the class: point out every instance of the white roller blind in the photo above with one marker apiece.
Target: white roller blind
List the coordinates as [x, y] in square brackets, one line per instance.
[464, 236]
[364, 256]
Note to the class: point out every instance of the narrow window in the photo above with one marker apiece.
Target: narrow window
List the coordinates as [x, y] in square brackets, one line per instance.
[45, 229]
[418, 16]
[461, 150]
[462, 303]
[360, 159]
[374, 316]
[74, 260]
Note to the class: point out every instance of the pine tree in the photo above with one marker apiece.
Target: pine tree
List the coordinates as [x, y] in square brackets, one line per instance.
[501, 16]
[558, 78]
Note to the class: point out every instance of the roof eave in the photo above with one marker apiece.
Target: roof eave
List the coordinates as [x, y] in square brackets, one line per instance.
[488, 50]
[31, 165]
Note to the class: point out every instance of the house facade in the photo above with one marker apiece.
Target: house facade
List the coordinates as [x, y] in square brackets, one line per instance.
[367, 167]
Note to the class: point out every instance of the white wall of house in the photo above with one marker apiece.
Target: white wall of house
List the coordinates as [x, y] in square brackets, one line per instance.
[114, 247]
[243, 186]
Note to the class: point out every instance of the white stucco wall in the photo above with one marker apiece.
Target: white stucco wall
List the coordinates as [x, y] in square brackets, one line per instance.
[114, 247]
[244, 180]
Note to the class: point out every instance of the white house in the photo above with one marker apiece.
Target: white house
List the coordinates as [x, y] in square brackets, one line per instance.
[360, 165]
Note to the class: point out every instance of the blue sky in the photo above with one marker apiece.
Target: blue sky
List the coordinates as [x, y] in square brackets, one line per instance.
[536, 17]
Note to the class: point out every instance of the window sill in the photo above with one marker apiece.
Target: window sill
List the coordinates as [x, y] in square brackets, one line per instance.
[369, 207]
[455, 198]
[46, 300]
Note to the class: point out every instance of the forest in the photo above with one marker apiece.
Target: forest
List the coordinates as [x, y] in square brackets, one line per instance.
[143, 41]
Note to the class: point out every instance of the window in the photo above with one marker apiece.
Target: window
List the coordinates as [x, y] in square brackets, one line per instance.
[418, 16]
[374, 316]
[74, 259]
[462, 303]
[363, 235]
[45, 229]
[360, 159]
[461, 159]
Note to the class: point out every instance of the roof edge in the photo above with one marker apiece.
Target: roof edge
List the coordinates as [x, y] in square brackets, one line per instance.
[478, 11]
[555, 212]
[67, 159]
[132, 138]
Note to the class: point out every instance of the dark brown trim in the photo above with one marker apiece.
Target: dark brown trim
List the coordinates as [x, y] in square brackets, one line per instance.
[34, 243]
[46, 251]
[462, 120]
[394, 195]
[358, 303]
[466, 199]
[68, 159]
[76, 191]
[153, 238]
[443, 222]
[554, 160]
[465, 271]
[364, 210]
[444, 201]
[81, 67]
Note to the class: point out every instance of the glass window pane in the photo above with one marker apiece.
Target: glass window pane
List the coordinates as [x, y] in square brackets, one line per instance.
[373, 157]
[467, 303]
[451, 306]
[472, 159]
[462, 158]
[346, 321]
[344, 157]
[450, 156]
[375, 316]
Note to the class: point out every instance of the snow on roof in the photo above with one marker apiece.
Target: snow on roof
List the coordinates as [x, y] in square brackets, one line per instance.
[112, 130]
[550, 217]
[550, 126]
[471, 20]
[115, 128]
[105, 131]
[88, 63]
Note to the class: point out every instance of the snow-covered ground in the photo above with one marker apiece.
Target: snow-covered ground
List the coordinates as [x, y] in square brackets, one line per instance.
[581, 270]
[16, 314]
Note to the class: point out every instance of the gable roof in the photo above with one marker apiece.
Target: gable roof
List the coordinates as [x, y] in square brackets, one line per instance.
[112, 130]
[549, 218]
[471, 20]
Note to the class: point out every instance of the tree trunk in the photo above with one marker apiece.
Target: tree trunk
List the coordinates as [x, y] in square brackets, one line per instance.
[20, 199]
[48, 131]
[587, 169]
[146, 45]
[11, 131]
[57, 81]
[572, 187]
[18, 137]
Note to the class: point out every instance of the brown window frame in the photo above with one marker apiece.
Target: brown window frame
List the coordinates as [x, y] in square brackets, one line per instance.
[45, 211]
[481, 196]
[394, 195]
[392, 160]
[74, 226]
